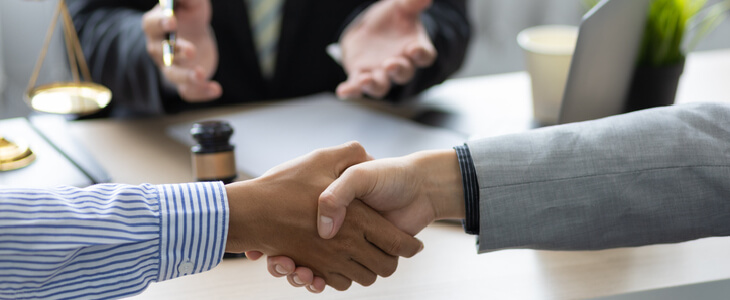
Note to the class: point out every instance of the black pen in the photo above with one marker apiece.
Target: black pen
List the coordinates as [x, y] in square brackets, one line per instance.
[168, 45]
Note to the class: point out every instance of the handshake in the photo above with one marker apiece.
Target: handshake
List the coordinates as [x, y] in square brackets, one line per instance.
[336, 215]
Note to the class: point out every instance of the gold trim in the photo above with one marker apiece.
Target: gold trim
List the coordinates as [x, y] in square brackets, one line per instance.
[69, 97]
[14, 156]
[75, 97]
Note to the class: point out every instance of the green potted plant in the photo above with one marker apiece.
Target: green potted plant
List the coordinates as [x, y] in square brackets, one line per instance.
[673, 29]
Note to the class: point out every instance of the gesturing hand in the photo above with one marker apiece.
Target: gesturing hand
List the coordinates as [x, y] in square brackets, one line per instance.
[196, 52]
[386, 44]
[275, 214]
[410, 191]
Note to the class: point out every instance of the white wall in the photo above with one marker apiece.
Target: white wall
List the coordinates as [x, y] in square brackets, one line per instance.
[496, 24]
[23, 26]
[2, 71]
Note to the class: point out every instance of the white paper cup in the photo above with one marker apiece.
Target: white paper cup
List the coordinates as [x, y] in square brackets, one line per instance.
[548, 51]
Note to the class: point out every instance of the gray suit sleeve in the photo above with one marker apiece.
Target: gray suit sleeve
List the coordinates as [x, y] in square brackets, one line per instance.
[653, 176]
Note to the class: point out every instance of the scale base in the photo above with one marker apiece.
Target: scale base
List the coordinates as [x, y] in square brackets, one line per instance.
[14, 156]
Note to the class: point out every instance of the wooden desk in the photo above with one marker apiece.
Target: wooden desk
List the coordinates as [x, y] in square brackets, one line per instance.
[448, 268]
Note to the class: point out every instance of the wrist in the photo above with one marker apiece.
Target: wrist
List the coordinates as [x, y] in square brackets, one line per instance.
[443, 185]
[242, 207]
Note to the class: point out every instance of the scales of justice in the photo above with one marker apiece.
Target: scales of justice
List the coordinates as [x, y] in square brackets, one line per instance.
[75, 97]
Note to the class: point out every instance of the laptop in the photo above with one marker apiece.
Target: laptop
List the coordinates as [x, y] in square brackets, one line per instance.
[603, 62]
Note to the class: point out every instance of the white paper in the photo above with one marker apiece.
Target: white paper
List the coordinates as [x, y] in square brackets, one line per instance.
[267, 136]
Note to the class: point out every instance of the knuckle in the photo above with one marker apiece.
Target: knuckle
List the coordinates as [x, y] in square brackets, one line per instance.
[356, 171]
[327, 200]
[395, 246]
[355, 146]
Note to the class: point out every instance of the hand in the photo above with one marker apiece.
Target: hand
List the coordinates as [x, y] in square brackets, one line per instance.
[410, 191]
[385, 45]
[196, 52]
[274, 214]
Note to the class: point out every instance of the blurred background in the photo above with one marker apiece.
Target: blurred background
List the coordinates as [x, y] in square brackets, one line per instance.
[493, 48]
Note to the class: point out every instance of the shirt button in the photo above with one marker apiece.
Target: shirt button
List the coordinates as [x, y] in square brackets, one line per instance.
[185, 267]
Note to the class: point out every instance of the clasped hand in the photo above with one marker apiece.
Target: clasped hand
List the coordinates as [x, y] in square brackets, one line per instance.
[275, 215]
[410, 192]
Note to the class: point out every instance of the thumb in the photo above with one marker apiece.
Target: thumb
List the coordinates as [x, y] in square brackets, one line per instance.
[414, 6]
[333, 202]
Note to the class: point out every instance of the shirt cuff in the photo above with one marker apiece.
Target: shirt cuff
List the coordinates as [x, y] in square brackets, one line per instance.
[193, 228]
[471, 189]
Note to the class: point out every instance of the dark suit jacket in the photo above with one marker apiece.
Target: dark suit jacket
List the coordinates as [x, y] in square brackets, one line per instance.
[114, 44]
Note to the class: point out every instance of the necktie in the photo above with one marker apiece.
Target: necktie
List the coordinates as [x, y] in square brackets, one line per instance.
[265, 18]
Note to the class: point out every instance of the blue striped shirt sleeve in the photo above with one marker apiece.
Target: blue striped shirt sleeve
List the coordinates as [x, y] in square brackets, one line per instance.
[107, 241]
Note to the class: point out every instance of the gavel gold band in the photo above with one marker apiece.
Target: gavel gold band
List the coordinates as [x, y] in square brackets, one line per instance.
[212, 166]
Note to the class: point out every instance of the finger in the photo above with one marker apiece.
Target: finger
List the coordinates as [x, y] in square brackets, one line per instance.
[359, 273]
[333, 201]
[376, 260]
[422, 52]
[391, 240]
[338, 282]
[192, 85]
[279, 266]
[317, 285]
[347, 90]
[185, 52]
[348, 154]
[352, 88]
[302, 276]
[207, 92]
[414, 6]
[154, 49]
[399, 69]
[379, 86]
[294, 280]
[353, 183]
[182, 75]
[156, 24]
[253, 255]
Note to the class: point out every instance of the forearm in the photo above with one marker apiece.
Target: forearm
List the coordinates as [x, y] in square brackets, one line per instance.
[114, 45]
[108, 241]
[657, 176]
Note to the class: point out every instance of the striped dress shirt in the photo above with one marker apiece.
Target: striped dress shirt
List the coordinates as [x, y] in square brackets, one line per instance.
[107, 241]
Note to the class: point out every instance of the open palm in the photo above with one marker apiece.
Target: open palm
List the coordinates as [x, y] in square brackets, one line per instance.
[386, 44]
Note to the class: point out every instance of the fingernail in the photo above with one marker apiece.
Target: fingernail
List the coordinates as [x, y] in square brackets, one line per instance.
[296, 279]
[420, 249]
[325, 226]
[313, 289]
[279, 269]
